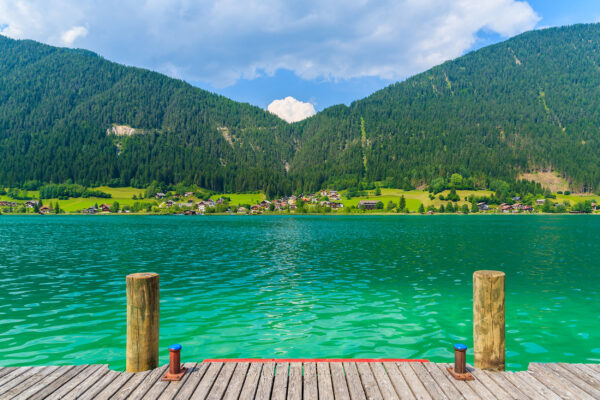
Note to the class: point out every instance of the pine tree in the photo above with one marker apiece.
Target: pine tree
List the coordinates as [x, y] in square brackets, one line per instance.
[421, 209]
[402, 204]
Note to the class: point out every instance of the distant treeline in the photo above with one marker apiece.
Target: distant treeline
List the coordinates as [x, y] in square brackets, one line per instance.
[58, 191]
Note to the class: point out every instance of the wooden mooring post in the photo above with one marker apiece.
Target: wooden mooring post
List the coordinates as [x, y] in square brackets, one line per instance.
[142, 321]
[488, 320]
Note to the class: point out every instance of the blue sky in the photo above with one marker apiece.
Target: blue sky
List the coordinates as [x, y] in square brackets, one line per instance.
[258, 51]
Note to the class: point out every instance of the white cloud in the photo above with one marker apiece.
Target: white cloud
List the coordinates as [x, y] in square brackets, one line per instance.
[222, 41]
[291, 110]
[68, 37]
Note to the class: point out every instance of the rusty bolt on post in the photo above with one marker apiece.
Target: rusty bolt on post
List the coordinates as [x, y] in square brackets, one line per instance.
[459, 371]
[175, 372]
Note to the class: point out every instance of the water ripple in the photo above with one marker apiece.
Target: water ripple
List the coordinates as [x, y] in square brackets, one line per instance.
[296, 286]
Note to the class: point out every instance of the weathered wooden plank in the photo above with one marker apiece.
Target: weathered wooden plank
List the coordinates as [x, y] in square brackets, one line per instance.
[207, 381]
[383, 381]
[338, 378]
[114, 386]
[157, 388]
[484, 381]
[442, 380]
[555, 383]
[528, 379]
[480, 388]
[500, 379]
[9, 377]
[54, 385]
[220, 385]
[569, 383]
[251, 382]
[576, 378]
[311, 390]
[464, 389]
[40, 384]
[84, 374]
[11, 389]
[400, 385]
[368, 381]
[173, 387]
[17, 376]
[236, 382]
[130, 385]
[6, 370]
[354, 385]
[280, 384]
[324, 383]
[413, 381]
[584, 368]
[91, 391]
[265, 382]
[595, 367]
[430, 384]
[77, 386]
[524, 387]
[196, 375]
[149, 380]
[295, 381]
[594, 385]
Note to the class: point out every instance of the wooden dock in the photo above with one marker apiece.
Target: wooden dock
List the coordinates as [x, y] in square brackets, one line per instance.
[301, 380]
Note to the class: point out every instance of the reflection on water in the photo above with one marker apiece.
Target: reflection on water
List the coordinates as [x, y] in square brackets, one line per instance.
[394, 286]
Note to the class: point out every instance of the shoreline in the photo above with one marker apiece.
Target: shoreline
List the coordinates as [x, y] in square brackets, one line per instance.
[295, 215]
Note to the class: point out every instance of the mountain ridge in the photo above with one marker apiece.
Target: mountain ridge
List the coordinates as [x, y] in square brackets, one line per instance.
[529, 103]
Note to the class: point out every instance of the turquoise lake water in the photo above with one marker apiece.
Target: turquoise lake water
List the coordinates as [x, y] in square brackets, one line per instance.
[297, 287]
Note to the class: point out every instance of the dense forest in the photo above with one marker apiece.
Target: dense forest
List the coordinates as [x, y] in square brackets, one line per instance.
[529, 103]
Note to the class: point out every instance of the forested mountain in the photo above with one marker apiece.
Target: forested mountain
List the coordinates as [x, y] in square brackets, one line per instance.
[530, 103]
[57, 105]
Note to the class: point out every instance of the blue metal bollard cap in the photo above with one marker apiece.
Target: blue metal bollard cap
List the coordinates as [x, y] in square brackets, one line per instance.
[460, 347]
[175, 347]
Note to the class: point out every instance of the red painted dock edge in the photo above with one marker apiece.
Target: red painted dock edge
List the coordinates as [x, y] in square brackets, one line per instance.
[306, 360]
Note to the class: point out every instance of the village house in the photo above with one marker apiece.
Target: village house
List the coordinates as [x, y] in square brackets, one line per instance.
[189, 212]
[105, 208]
[334, 195]
[31, 203]
[160, 196]
[505, 208]
[8, 204]
[45, 209]
[540, 202]
[242, 210]
[367, 204]
[256, 209]
[323, 193]
[189, 194]
[90, 210]
[483, 206]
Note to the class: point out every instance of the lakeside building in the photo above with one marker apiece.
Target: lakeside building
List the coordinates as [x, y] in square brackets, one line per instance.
[367, 204]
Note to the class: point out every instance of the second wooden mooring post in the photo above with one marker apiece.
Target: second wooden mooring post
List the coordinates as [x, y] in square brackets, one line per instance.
[142, 321]
[488, 320]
